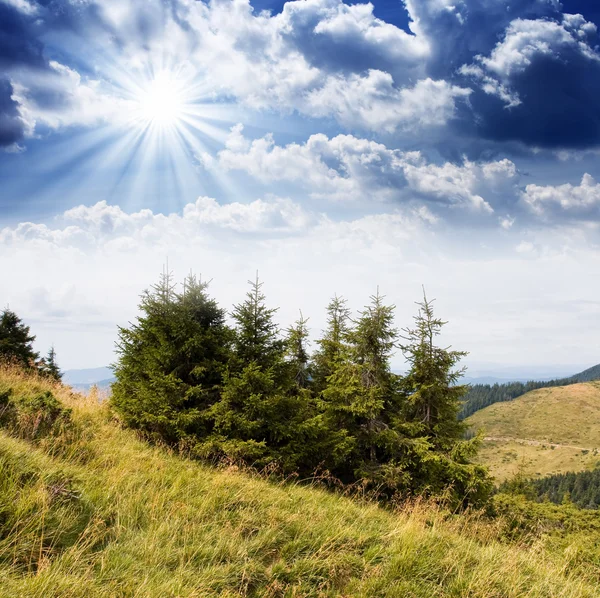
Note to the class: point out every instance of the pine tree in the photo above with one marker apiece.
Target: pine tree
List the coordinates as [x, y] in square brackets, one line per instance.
[297, 352]
[433, 395]
[171, 362]
[267, 413]
[440, 460]
[16, 341]
[48, 366]
[362, 398]
[257, 334]
[333, 344]
[249, 417]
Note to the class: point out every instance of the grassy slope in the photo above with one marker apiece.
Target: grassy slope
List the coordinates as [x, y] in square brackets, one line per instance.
[563, 423]
[136, 521]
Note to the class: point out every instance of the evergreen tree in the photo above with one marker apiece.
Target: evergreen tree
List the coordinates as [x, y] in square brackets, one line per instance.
[48, 366]
[434, 397]
[440, 460]
[333, 345]
[297, 352]
[362, 398]
[257, 335]
[250, 419]
[172, 361]
[16, 341]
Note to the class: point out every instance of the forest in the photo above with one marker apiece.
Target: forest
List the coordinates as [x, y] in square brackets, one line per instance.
[250, 393]
[581, 489]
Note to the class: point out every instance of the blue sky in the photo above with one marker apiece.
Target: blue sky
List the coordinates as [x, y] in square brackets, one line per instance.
[332, 146]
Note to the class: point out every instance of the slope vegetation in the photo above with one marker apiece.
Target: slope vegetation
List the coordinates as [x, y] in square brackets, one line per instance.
[481, 396]
[88, 510]
[546, 431]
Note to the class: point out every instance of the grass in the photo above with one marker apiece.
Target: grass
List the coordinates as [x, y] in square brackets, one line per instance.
[550, 430]
[95, 512]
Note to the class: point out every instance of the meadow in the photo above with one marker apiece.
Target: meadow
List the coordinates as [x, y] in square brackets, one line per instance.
[89, 510]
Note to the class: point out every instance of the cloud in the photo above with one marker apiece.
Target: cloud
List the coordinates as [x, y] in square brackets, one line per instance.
[573, 202]
[521, 72]
[373, 102]
[348, 168]
[76, 278]
[539, 84]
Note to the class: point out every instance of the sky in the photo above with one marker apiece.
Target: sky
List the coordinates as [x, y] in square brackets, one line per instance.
[336, 148]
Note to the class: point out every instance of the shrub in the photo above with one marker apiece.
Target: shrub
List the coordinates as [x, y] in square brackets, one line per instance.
[32, 415]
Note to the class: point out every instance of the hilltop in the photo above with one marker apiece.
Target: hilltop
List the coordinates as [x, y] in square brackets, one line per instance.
[92, 511]
[545, 431]
[480, 396]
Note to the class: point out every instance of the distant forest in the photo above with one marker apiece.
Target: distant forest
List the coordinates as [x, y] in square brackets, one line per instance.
[482, 395]
[581, 489]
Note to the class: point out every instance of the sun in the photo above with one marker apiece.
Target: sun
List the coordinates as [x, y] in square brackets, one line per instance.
[162, 101]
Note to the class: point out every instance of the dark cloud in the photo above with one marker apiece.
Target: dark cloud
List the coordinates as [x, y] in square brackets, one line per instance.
[559, 108]
[11, 125]
[18, 47]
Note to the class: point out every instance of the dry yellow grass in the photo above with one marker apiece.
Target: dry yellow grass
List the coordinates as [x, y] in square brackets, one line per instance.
[140, 522]
[550, 430]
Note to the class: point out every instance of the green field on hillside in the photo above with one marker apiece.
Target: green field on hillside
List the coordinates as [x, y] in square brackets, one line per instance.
[95, 512]
[550, 430]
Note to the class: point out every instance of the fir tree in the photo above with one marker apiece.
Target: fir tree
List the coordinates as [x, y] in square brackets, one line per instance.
[257, 334]
[333, 344]
[48, 366]
[440, 460]
[250, 417]
[16, 341]
[362, 398]
[171, 362]
[297, 352]
[433, 393]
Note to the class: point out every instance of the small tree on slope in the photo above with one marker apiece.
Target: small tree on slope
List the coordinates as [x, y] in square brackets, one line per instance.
[16, 341]
[439, 457]
[49, 367]
[362, 397]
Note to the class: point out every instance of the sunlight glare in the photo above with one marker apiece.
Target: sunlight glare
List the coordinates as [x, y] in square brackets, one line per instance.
[161, 103]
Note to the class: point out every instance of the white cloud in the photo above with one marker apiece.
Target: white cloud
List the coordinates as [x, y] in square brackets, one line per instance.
[346, 168]
[565, 201]
[297, 60]
[23, 6]
[524, 41]
[373, 102]
[76, 279]
[76, 101]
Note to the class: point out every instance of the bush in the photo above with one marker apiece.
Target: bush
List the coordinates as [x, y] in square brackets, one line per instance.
[32, 415]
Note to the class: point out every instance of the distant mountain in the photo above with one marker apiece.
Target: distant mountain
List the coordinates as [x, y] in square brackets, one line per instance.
[482, 395]
[490, 380]
[83, 380]
[87, 376]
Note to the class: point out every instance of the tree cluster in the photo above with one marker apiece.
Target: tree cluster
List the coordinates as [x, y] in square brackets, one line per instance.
[581, 489]
[16, 347]
[249, 393]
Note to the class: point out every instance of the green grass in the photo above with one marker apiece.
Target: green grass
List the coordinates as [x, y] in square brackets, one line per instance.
[97, 512]
[546, 431]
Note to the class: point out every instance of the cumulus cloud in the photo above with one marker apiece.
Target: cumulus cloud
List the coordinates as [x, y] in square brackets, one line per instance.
[538, 84]
[578, 202]
[489, 70]
[347, 168]
[75, 279]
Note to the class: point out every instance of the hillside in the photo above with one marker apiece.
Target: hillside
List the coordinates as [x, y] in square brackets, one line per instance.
[95, 512]
[546, 431]
[482, 395]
